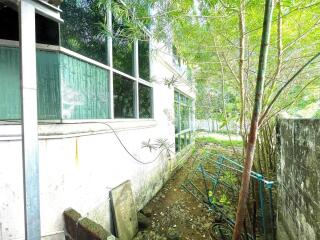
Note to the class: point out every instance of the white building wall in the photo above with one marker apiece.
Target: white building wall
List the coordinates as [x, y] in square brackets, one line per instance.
[81, 162]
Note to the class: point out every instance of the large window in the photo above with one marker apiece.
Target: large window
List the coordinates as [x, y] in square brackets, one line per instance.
[183, 120]
[130, 57]
[75, 85]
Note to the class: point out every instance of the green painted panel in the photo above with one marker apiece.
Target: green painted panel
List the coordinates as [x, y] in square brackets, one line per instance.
[82, 87]
[48, 85]
[85, 93]
[9, 83]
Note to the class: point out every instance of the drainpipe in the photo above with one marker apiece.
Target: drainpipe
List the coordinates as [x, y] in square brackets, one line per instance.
[29, 123]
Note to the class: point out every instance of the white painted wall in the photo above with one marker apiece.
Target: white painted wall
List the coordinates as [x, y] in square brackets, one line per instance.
[79, 163]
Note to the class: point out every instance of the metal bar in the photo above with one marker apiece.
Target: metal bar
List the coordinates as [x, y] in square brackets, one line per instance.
[185, 187]
[194, 186]
[215, 180]
[30, 152]
[238, 170]
[261, 199]
[258, 175]
[179, 117]
[110, 61]
[136, 75]
[271, 213]
[254, 175]
[205, 184]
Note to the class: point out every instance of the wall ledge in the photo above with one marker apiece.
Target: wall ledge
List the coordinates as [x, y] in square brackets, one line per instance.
[10, 131]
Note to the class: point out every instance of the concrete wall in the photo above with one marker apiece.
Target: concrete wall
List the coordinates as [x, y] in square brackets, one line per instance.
[81, 162]
[299, 178]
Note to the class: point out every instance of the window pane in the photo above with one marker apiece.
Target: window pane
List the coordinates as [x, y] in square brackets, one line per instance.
[144, 62]
[176, 117]
[182, 112]
[182, 108]
[85, 91]
[122, 50]
[10, 83]
[145, 101]
[123, 93]
[184, 117]
[183, 99]
[48, 80]
[81, 31]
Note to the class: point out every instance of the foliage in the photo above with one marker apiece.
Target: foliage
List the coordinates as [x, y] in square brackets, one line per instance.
[206, 35]
[224, 143]
[220, 41]
[82, 34]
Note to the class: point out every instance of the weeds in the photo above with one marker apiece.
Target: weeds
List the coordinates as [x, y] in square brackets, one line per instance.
[223, 143]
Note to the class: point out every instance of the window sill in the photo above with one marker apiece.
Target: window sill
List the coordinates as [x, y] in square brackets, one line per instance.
[11, 131]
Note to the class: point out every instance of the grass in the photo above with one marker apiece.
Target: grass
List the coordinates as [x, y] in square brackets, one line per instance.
[223, 143]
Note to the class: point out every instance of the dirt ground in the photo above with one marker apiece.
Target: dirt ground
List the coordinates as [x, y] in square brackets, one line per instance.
[176, 214]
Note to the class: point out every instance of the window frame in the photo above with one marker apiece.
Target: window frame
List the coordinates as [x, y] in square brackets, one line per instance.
[183, 132]
[136, 78]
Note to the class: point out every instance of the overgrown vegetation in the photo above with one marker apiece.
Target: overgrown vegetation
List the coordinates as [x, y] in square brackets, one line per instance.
[222, 142]
[221, 41]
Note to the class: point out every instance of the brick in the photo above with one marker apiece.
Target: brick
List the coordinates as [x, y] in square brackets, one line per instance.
[71, 217]
[89, 230]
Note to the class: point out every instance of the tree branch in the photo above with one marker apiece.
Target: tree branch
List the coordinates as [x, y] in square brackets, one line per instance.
[285, 85]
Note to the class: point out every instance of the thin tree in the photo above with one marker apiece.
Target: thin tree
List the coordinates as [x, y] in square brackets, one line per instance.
[252, 137]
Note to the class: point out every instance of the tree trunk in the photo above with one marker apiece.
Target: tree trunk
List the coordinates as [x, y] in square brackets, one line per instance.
[241, 64]
[252, 138]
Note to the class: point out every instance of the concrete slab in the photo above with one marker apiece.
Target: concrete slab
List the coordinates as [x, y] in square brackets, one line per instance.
[124, 211]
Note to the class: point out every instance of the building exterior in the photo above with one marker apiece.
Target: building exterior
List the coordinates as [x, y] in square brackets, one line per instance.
[98, 101]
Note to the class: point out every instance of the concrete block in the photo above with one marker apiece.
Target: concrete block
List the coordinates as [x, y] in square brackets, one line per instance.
[71, 218]
[124, 211]
[89, 230]
[79, 228]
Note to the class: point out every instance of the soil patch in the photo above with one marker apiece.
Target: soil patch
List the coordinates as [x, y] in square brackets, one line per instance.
[175, 213]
